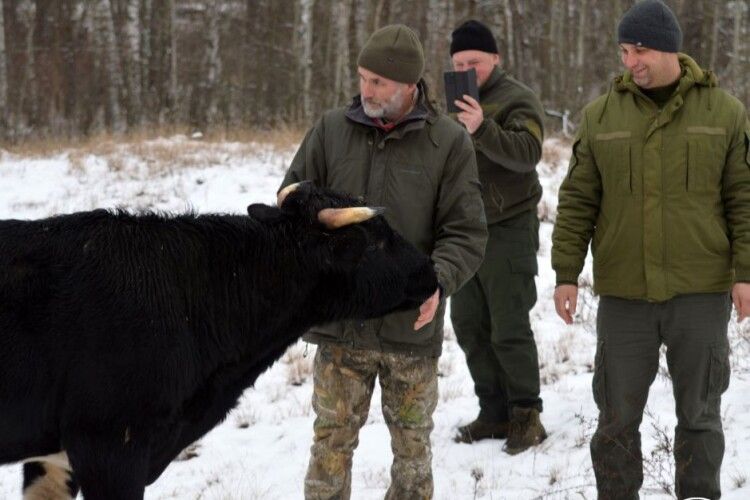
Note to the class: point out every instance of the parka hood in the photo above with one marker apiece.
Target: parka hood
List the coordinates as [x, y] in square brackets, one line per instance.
[692, 74]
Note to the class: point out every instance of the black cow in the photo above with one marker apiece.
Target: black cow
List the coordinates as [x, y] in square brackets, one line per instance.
[124, 338]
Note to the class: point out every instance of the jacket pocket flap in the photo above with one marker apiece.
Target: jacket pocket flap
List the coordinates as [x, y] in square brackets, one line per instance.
[707, 130]
[525, 264]
[611, 136]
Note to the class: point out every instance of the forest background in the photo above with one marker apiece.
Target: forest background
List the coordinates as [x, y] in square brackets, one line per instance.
[73, 68]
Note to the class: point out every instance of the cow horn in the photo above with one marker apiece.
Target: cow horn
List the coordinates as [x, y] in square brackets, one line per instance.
[287, 190]
[334, 218]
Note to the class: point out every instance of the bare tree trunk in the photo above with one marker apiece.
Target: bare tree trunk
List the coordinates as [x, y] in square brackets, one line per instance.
[203, 101]
[172, 89]
[435, 46]
[343, 76]
[714, 35]
[362, 22]
[147, 93]
[550, 58]
[508, 13]
[305, 59]
[29, 100]
[3, 73]
[112, 74]
[377, 18]
[740, 7]
[132, 55]
[580, 51]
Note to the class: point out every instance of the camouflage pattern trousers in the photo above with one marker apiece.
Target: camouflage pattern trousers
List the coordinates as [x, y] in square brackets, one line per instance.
[344, 380]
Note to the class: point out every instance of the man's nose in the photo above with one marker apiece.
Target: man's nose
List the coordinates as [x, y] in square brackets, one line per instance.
[631, 61]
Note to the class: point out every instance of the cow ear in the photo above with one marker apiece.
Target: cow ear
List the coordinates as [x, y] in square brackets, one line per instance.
[264, 213]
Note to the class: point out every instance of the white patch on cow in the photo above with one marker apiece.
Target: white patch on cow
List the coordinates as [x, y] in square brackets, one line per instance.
[53, 485]
[58, 460]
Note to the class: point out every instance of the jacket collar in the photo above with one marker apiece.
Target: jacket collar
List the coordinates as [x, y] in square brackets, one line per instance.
[692, 75]
[496, 76]
[419, 113]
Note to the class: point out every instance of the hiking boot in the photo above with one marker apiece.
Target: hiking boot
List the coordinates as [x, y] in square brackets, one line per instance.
[479, 429]
[526, 430]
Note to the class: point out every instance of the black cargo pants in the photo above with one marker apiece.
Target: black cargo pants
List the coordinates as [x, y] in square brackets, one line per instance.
[490, 315]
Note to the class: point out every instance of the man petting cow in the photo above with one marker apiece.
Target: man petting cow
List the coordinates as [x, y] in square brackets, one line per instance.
[391, 148]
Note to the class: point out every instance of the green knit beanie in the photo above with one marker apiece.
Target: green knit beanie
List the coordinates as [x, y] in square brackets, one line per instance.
[394, 52]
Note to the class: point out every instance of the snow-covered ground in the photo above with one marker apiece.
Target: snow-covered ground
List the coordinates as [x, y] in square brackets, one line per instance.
[261, 450]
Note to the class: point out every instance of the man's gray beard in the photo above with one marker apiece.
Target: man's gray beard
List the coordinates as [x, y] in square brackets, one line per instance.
[373, 112]
[389, 109]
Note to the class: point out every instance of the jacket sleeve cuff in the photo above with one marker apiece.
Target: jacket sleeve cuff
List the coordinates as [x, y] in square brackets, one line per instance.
[741, 274]
[567, 278]
[479, 131]
[444, 282]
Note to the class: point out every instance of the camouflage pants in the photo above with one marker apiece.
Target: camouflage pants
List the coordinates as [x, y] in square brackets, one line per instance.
[344, 380]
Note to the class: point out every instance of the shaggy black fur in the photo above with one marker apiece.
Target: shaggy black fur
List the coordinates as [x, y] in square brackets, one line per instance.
[124, 338]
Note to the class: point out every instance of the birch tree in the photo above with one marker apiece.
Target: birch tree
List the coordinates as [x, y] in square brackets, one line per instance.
[29, 103]
[580, 68]
[343, 74]
[509, 33]
[738, 8]
[77, 65]
[145, 56]
[111, 73]
[3, 72]
[132, 58]
[362, 22]
[305, 56]
[171, 109]
[204, 95]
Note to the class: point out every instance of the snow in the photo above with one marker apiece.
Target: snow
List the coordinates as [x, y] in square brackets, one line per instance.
[261, 450]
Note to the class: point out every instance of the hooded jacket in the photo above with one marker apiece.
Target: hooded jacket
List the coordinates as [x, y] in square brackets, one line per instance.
[663, 195]
[424, 173]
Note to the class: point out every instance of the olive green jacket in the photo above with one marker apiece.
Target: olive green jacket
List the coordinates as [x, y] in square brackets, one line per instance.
[663, 195]
[424, 173]
[508, 145]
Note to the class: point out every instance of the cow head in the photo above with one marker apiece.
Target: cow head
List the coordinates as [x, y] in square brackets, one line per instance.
[358, 256]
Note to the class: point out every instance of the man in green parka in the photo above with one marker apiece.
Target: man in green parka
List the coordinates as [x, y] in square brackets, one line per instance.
[392, 149]
[490, 314]
[659, 183]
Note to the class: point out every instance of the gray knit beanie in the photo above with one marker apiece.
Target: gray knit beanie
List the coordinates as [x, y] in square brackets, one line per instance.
[651, 24]
[394, 52]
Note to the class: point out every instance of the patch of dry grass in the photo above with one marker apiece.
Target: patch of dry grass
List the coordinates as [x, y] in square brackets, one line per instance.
[146, 144]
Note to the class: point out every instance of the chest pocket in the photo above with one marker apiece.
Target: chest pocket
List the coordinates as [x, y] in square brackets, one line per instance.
[613, 155]
[410, 184]
[706, 156]
[747, 147]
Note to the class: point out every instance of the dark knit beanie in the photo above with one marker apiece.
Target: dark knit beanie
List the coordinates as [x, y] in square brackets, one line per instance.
[650, 24]
[394, 52]
[473, 35]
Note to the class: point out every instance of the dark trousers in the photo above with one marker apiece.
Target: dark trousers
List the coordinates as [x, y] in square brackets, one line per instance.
[490, 316]
[629, 334]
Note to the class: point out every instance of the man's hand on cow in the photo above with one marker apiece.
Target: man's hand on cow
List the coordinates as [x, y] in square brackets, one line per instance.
[741, 299]
[566, 299]
[472, 114]
[427, 310]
